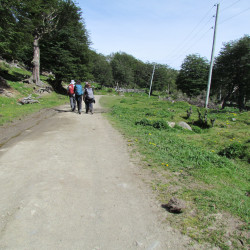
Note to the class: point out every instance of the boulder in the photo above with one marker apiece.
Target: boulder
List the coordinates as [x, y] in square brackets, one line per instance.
[171, 124]
[175, 205]
[184, 125]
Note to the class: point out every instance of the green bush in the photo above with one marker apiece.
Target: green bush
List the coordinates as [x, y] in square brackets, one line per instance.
[196, 129]
[123, 101]
[160, 124]
[234, 150]
[144, 122]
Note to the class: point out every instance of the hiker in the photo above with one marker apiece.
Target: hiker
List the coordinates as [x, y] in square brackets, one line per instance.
[79, 93]
[88, 98]
[71, 93]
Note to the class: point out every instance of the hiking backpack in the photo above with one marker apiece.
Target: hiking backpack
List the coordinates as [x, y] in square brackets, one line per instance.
[71, 89]
[78, 89]
[89, 93]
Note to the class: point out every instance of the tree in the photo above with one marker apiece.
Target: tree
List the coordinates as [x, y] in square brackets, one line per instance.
[232, 72]
[36, 18]
[142, 74]
[192, 78]
[101, 69]
[13, 41]
[164, 78]
[66, 49]
[122, 68]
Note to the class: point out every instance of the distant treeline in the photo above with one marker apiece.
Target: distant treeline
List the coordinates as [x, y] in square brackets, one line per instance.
[51, 36]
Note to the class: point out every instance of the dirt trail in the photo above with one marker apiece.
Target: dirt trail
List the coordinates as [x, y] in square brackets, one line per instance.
[68, 183]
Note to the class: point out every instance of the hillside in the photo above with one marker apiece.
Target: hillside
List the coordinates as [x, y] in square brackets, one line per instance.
[14, 88]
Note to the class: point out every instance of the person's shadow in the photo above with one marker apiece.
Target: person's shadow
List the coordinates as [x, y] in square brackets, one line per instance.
[62, 110]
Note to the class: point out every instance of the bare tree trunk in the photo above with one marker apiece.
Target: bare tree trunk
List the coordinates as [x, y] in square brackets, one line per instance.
[225, 99]
[36, 62]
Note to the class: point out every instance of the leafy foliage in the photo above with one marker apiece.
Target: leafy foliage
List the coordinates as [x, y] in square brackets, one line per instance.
[101, 69]
[66, 49]
[234, 150]
[232, 72]
[193, 75]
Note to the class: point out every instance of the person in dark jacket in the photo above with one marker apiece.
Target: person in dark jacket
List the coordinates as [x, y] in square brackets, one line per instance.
[79, 93]
[89, 98]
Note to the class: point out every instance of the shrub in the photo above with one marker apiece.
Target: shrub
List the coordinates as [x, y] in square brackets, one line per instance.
[160, 124]
[197, 129]
[234, 150]
[144, 122]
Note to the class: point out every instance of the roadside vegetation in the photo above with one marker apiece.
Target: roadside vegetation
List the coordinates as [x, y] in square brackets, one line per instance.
[207, 167]
[11, 109]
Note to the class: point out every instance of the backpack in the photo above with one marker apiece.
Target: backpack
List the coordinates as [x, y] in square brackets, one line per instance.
[89, 93]
[78, 89]
[71, 89]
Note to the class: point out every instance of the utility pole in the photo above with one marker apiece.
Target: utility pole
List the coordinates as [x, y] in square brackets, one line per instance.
[212, 57]
[151, 81]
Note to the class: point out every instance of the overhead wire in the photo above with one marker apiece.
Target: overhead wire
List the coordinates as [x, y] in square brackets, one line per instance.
[201, 37]
[234, 16]
[172, 57]
[183, 43]
[230, 5]
[194, 37]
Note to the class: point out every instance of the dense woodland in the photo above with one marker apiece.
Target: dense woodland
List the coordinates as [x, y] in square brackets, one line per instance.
[51, 36]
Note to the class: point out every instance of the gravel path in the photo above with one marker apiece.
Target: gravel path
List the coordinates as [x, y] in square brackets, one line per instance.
[68, 183]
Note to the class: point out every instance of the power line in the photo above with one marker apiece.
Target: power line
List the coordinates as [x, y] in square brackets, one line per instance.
[193, 40]
[234, 16]
[203, 35]
[183, 44]
[190, 41]
[230, 5]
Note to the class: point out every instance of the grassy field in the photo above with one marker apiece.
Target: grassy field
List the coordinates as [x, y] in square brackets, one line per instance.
[207, 167]
[10, 109]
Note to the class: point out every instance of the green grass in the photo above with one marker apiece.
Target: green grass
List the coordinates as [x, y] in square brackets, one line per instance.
[189, 162]
[10, 109]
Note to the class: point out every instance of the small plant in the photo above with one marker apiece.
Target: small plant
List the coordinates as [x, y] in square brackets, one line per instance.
[189, 112]
[196, 129]
[144, 122]
[212, 120]
[203, 118]
[234, 150]
[160, 124]
[123, 101]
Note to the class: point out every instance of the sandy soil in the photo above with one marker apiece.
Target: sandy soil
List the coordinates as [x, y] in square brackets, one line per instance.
[67, 182]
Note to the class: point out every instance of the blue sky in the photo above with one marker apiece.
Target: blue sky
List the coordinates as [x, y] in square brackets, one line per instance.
[163, 31]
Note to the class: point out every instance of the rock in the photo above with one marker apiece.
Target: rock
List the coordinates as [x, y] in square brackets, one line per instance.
[184, 125]
[3, 83]
[47, 89]
[8, 94]
[171, 124]
[175, 205]
[27, 100]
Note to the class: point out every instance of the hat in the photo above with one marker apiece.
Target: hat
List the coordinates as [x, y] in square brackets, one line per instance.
[72, 82]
